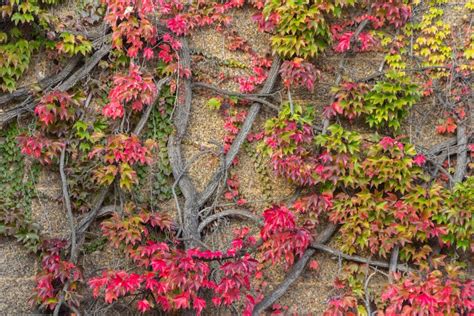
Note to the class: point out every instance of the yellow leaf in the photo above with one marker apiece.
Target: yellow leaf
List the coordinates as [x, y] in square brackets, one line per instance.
[469, 53]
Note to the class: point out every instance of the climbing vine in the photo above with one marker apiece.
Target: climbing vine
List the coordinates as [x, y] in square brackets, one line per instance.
[114, 129]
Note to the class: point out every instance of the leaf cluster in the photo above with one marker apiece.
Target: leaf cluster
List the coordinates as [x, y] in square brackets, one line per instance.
[388, 102]
[16, 56]
[302, 29]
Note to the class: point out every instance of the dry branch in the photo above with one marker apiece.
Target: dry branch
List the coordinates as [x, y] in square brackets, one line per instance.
[461, 162]
[228, 213]
[67, 202]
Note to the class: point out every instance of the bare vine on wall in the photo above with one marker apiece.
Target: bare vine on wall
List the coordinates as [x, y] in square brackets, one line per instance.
[113, 119]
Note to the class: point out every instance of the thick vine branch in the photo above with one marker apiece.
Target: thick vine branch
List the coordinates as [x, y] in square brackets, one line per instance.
[230, 93]
[439, 167]
[188, 165]
[437, 149]
[393, 262]
[82, 72]
[438, 153]
[106, 210]
[67, 203]
[181, 119]
[380, 73]
[91, 216]
[461, 162]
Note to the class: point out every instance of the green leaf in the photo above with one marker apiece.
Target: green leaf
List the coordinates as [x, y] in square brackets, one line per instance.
[214, 103]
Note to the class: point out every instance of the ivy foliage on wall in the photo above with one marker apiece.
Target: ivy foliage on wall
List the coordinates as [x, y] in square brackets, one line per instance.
[156, 180]
[17, 176]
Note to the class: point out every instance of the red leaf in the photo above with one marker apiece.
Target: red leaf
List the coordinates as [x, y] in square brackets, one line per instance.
[148, 53]
[314, 265]
[199, 304]
[241, 202]
[387, 142]
[344, 42]
[419, 160]
[143, 305]
[217, 301]
[181, 301]
[440, 129]
[450, 125]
